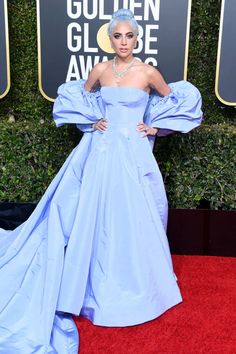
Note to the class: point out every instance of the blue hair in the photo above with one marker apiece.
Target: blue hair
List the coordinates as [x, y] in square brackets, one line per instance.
[122, 15]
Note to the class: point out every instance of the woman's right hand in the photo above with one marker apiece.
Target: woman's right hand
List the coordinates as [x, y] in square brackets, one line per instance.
[101, 125]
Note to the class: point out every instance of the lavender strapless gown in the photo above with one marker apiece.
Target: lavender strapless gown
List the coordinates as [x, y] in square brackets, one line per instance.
[96, 243]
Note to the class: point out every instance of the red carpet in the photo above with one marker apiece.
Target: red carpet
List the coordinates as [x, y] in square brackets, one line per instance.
[204, 323]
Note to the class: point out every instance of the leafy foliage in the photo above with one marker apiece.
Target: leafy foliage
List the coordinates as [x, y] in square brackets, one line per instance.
[205, 20]
[196, 167]
[30, 156]
[200, 167]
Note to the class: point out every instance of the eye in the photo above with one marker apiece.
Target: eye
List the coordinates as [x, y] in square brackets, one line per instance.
[117, 36]
[130, 35]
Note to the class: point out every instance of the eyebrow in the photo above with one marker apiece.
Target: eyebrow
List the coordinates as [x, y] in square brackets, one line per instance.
[121, 33]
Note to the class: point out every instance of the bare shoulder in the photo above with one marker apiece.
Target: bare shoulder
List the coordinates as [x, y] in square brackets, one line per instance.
[150, 70]
[140, 65]
[95, 75]
[100, 67]
[147, 69]
[155, 79]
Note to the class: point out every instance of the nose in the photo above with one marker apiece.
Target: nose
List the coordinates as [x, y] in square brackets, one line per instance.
[123, 40]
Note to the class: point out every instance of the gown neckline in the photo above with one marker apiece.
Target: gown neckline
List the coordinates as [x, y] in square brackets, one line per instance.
[125, 87]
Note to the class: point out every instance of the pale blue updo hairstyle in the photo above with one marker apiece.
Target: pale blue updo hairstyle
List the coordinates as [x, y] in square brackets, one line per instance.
[122, 15]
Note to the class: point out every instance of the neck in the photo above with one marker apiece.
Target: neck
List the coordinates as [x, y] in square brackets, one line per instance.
[126, 60]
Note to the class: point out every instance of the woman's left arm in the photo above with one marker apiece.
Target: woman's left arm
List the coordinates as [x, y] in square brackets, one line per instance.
[155, 81]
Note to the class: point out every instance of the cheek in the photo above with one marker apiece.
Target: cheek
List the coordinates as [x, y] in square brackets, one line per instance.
[133, 43]
[113, 44]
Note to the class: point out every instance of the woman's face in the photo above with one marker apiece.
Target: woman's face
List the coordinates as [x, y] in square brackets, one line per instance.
[123, 39]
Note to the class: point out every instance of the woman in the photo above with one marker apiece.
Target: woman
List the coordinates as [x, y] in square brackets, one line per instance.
[106, 208]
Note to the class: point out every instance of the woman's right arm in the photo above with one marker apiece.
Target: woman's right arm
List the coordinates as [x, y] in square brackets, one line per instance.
[93, 81]
[94, 76]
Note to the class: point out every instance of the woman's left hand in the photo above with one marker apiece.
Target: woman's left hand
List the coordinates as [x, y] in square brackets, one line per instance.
[142, 127]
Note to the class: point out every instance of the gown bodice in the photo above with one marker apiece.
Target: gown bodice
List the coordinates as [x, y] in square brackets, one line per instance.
[130, 103]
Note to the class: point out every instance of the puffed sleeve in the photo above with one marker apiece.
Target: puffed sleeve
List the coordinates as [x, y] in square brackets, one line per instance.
[179, 111]
[76, 105]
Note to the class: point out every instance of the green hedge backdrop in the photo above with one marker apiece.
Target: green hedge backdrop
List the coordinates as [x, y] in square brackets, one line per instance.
[198, 168]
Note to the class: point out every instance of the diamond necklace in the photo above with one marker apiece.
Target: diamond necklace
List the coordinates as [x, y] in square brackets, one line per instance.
[120, 74]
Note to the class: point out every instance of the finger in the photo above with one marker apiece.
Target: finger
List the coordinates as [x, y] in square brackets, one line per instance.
[102, 127]
[101, 130]
[141, 128]
[103, 120]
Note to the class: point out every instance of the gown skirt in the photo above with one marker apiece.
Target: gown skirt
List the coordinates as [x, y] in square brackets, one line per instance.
[96, 243]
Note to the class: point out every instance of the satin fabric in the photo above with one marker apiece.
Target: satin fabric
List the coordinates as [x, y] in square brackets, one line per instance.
[96, 244]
